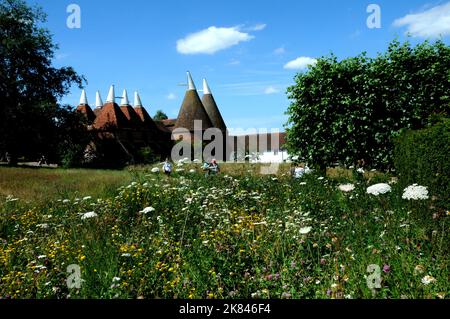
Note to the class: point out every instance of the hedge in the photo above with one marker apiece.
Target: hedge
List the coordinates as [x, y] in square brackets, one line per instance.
[423, 157]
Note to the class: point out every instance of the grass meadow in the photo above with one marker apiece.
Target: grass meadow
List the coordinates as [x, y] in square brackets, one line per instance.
[139, 234]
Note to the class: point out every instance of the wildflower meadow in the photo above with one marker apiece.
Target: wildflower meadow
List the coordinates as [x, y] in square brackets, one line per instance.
[239, 235]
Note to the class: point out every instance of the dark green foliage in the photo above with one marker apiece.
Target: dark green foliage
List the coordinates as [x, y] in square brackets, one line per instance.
[160, 115]
[146, 155]
[422, 157]
[30, 86]
[349, 110]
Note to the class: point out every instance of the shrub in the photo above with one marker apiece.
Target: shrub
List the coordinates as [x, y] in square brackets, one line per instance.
[350, 110]
[422, 157]
[146, 155]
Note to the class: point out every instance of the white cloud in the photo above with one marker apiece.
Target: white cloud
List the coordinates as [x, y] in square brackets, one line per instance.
[271, 90]
[433, 22]
[279, 51]
[258, 27]
[171, 96]
[252, 88]
[300, 63]
[211, 40]
[234, 62]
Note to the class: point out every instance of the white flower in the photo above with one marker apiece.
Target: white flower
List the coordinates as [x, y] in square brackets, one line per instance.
[377, 189]
[192, 171]
[147, 210]
[428, 280]
[116, 279]
[415, 192]
[126, 255]
[155, 170]
[305, 230]
[360, 170]
[42, 256]
[321, 178]
[87, 198]
[88, 215]
[346, 187]
[10, 198]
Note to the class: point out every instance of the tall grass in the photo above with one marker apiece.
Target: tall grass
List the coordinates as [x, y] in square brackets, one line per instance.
[240, 236]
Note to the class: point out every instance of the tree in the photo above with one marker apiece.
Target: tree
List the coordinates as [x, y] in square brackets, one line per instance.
[160, 115]
[350, 110]
[30, 87]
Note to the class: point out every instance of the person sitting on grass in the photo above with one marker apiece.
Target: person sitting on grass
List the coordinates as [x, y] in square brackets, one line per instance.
[205, 168]
[167, 167]
[214, 167]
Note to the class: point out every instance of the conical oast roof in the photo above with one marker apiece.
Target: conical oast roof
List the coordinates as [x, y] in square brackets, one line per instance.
[110, 116]
[129, 112]
[211, 108]
[87, 112]
[143, 115]
[192, 109]
[131, 115]
[85, 109]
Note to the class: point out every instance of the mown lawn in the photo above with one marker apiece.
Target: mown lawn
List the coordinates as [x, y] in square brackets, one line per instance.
[137, 234]
[40, 184]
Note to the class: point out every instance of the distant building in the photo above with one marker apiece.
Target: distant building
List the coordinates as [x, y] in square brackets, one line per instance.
[124, 133]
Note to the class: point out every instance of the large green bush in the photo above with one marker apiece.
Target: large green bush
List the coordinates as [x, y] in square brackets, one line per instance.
[423, 157]
[349, 110]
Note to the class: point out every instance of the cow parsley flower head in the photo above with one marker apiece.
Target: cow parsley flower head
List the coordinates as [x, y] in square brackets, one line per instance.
[377, 189]
[346, 187]
[428, 280]
[415, 192]
[155, 170]
[89, 215]
[147, 210]
[305, 230]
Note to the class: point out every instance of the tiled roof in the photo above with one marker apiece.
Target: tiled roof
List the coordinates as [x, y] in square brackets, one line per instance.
[192, 109]
[132, 117]
[87, 111]
[110, 116]
[213, 112]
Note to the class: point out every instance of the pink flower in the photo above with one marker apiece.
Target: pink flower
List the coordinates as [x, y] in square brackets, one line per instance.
[386, 269]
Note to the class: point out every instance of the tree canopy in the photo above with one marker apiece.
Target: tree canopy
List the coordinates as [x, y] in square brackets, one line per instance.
[31, 119]
[350, 110]
[160, 115]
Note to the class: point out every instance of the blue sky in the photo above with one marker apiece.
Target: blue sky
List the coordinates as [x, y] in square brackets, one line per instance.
[249, 51]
